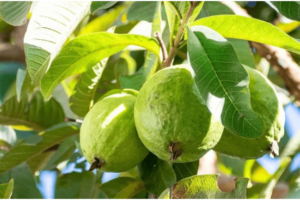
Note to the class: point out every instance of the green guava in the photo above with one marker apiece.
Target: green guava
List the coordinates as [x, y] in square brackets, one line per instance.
[171, 119]
[265, 102]
[108, 136]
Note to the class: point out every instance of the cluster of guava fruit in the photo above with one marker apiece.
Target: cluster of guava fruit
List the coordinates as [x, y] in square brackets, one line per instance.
[169, 118]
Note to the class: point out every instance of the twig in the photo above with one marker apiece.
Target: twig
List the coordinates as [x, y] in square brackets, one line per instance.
[280, 59]
[168, 62]
[162, 45]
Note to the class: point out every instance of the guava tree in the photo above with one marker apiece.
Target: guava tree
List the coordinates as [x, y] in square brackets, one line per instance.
[145, 90]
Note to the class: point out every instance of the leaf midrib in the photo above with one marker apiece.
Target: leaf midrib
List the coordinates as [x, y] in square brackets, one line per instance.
[23, 122]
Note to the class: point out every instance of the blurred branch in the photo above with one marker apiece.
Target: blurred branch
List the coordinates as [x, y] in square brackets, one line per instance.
[13, 52]
[280, 59]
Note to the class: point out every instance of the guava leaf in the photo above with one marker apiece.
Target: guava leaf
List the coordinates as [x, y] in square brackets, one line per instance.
[97, 5]
[31, 114]
[85, 51]
[289, 9]
[75, 185]
[51, 24]
[243, 52]
[142, 11]
[196, 12]
[211, 8]
[38, 162]
[184, 170]
[6, 189]
[157, 174]
[23, 152]
[239, 27]
[23, 82]
[105, 21]
[8, 135]
[24, 183]
[173, 20]
[222, 81]
[180, 8]
[205, 187]
[82, 97]
[14, 12]
[122, 188]
[64, 152]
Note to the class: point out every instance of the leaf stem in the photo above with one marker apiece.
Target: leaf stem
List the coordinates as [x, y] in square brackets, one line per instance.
[168, 62]
[162, 45]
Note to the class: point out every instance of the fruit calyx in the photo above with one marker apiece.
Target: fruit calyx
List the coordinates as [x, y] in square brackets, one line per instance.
[274, 149]
[96, 164]
[175, 150]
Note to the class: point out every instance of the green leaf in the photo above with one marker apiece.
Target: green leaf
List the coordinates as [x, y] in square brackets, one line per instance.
[157, 174]
[97, 5]
[23, 152]
[195, 12]
[205, 187]
[122, 188]
[105, 21]
[14, 12]
[23, 82]
[24, 182]
[239, 27]
[173, 20]
[142, 11]
[31, 114]
[223, 82]
[180, 8]
[211, 8]
[64, 152]
[49, 27]
[38, 162]
[243, 52]
[85, 51]
[82, 97]
[75, 185]
[184, 170]
[8, 135]
[6, 189]
[290, 9]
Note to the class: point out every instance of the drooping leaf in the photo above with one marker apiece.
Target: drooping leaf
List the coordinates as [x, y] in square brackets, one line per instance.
[23, 152]
[14, 12]
[24, 183]
[239, 27]
[50, 25]
[142, 11]
[122, 188]
[64, 151]
[6, 189]
[205, 187]
[23, 84]
[32, 113]
[75, 185]
[243, 52]
[82, 98]
[105, 21]
[97, 5]
[222, 81]
[21, 74]
[290, 9]
[184, 170]
[157, 174]
[85, 51]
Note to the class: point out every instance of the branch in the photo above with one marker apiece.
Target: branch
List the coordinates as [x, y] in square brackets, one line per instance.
[280, 59]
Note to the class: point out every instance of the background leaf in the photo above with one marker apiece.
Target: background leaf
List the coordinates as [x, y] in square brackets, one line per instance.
[122, 188]
[14, 13]
[30, 114]
[243, 52]
[97, 5]
[239, 27]
[142, 11]
[90, 49]
[22, 152]
[227, 97]
[49, 27]
[82, 97]
[157, 174]
[6, 189]
[184, 170]
[290, 9]
[75, 185]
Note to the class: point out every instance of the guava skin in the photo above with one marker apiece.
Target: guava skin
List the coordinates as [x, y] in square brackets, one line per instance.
[265, 102]
[169, 110]
[108, 133]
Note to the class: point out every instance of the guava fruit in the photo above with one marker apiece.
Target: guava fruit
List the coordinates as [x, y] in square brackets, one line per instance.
[265, 102]
[108, 136]
[171, 119]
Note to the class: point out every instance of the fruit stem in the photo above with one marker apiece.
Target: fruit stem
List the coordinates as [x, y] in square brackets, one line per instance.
[168, 62]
